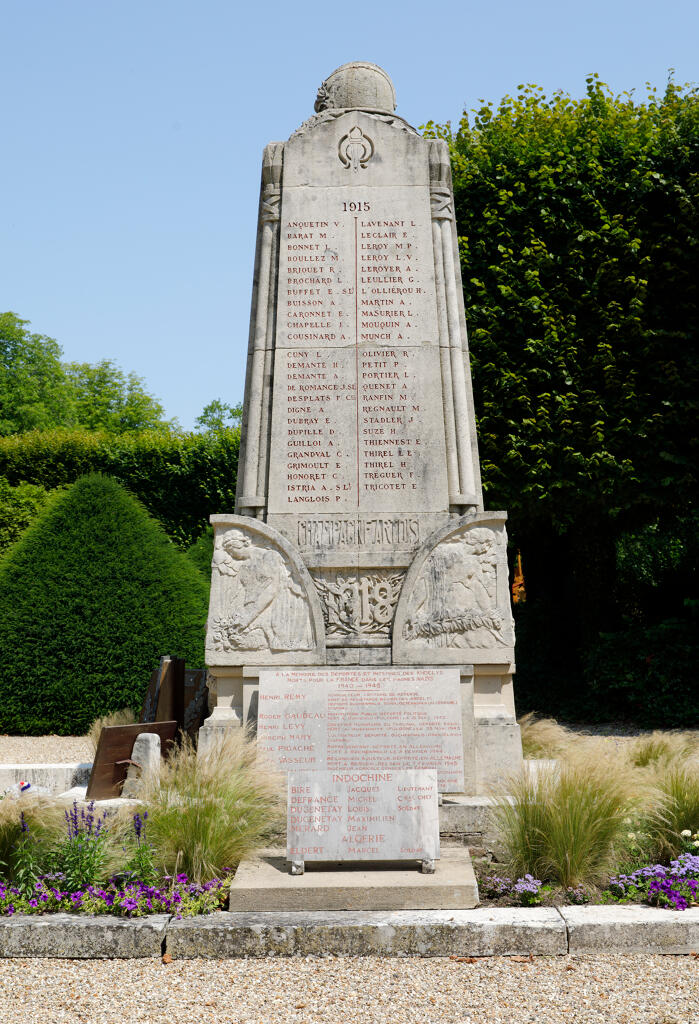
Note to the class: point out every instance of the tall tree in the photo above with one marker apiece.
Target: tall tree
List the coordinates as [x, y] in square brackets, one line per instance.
[33, 386]
[103, 397]
[38, 391]
[218, 415]
[579, 237]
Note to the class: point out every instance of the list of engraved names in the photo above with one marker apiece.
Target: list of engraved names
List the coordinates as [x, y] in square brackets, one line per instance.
[356, 347]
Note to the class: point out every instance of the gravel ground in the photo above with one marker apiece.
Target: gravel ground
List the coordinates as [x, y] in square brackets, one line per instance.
[498, 990]
[44, 749]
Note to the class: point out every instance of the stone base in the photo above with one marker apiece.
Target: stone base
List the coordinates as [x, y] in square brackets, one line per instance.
[215, 727]
[266, 885]
[469, 820]
[54, 777]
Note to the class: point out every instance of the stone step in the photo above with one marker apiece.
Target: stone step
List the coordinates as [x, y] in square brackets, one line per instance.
[265, 884]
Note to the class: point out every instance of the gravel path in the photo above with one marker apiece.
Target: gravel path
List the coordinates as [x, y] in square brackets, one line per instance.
[44, 749]
[497, 990]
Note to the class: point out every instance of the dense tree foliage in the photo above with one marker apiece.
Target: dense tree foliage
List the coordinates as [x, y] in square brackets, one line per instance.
[90, 597]
[38, 391]
[180, 478]
[579, 238]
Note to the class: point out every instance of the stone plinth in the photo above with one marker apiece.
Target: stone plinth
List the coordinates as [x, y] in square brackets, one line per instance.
[266, 885]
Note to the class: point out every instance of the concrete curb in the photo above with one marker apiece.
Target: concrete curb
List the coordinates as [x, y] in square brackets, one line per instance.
[631, 929]
[488, 931]
[497, 932]
[80, 937]
[54, 777]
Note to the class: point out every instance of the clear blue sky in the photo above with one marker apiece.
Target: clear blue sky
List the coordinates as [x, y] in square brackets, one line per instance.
[133, 133]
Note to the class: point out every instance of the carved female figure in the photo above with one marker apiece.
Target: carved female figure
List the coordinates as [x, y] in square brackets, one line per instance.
[263, 607]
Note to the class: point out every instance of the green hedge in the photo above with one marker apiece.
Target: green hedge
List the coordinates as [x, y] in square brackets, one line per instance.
[18, 507]
[90, 597]
[180, 478]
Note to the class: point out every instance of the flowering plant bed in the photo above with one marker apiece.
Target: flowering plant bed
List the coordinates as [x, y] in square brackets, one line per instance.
[176, 896]
[674, 887]
[96, 864]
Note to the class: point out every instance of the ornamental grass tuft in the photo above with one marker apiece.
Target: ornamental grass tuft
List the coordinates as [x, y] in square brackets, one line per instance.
[677, 809]
[664, 748]
[543, 737]
[206, 814]
[565, 822]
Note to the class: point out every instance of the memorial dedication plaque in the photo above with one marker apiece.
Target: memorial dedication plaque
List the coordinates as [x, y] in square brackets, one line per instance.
[345, 719]
[362, 815]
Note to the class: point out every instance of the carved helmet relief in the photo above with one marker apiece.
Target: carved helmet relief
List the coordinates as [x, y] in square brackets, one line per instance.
[358, 85]
[260, 602]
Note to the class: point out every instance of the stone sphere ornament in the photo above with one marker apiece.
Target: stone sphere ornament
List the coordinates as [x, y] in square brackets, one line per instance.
[357, 86]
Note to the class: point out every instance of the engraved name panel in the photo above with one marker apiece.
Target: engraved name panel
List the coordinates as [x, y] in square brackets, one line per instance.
[362, 815]
[357, 351]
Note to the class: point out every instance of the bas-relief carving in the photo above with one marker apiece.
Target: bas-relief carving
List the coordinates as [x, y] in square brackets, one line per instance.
[457, 600]
[358, 604]
[265, 607]
[355, 149]
[454, 603]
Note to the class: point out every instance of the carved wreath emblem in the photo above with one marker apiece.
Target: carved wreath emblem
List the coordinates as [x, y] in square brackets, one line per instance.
[355, 149]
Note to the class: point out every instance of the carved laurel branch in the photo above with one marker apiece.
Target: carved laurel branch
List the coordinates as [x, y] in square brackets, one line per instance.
[423, 627]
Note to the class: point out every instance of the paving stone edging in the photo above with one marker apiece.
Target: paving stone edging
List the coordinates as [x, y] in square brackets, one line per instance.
[488, 931]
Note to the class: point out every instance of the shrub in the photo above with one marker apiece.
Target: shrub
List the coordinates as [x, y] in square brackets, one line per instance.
[647, 673]
[206, 814]
[18, 507]
[564, 824]
[90, 597]
[201, 552]
[180, 478]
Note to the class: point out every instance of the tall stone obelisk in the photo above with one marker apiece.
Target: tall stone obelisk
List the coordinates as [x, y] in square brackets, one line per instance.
[359, 535]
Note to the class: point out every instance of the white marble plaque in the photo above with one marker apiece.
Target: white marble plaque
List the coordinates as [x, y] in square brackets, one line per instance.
[342, 719]
[362, 815]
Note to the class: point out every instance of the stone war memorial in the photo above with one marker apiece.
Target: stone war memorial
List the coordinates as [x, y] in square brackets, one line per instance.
[360, 613]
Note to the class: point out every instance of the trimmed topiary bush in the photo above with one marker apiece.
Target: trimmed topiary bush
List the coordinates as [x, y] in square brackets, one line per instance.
[90, 597]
